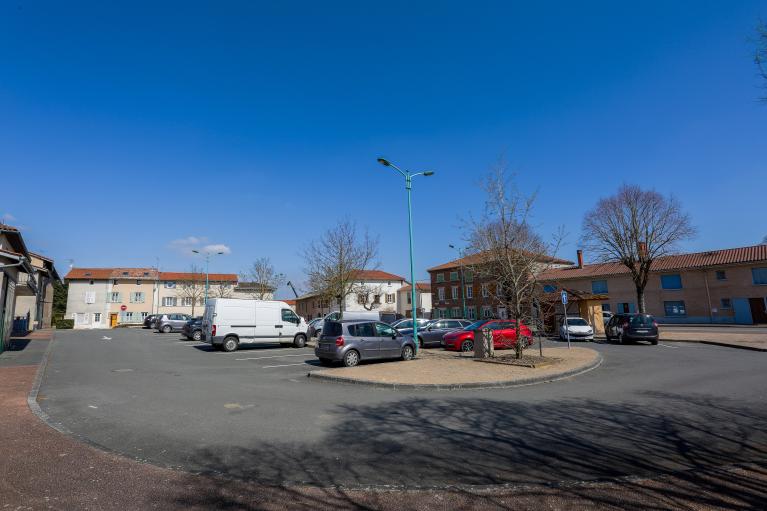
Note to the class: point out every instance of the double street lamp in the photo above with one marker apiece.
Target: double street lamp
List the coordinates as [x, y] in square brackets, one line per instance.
[408, 186]
[207, 255]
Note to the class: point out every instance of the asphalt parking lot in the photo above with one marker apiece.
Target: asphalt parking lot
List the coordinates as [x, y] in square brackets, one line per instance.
[254, 415]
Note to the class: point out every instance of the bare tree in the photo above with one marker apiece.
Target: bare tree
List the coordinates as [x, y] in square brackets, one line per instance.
[220, 289]
[760, 53]
[261, 279]
[508, 252]
[634, 227]
[368, 295]
[193, 289]
[335, 260]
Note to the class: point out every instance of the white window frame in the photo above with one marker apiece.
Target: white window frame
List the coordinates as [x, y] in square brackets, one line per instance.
[441, 294]
[390, 298]
[469, 291]
[485, 290]
[169, 301]
[114, 297]
[487, 312]
[187, 301]
[454, 292]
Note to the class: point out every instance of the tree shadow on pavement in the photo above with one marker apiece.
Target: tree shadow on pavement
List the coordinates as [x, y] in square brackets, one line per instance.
[420, 443]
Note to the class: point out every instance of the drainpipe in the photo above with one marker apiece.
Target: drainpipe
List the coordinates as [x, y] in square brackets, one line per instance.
[708, 295]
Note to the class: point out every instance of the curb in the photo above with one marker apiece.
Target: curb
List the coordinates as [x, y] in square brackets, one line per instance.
[718, 343]
[34, 406]
[462, 386]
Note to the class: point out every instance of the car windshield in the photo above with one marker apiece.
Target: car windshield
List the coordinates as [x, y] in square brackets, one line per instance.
[640, 320]
[331, 328]
[475, 325]
[405, 324]
[577, 322]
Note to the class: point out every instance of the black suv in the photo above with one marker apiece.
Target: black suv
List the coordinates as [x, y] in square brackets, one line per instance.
[632, 327]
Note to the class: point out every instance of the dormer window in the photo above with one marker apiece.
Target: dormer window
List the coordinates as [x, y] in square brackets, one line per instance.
[125, 273]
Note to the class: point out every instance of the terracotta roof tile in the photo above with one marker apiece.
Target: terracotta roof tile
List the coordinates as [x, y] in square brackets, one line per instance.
[420, 286]
[213, 277]
[377, 275]
[742, 255]
[142, 274]
[477, 258]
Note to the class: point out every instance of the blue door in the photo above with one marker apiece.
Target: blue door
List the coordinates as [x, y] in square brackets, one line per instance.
[742, 311]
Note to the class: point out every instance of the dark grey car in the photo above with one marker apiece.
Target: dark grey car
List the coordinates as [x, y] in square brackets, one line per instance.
[431, 334]
[632, 327]
[167, 323]
[353, 341]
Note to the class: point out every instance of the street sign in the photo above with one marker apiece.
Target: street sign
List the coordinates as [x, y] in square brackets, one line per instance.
[123, 307]
[564, 297]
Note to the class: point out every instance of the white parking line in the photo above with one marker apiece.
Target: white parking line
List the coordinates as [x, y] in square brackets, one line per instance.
[277, 356]
[283, 365]
[667, 346]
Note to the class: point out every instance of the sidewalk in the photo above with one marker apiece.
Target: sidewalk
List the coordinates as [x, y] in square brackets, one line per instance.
[756, 341]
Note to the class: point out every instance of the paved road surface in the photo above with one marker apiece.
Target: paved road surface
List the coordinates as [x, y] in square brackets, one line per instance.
[254, 415]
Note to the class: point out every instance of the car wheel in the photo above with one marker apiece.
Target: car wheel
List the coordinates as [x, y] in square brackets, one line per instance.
[299, 341]
[467, 346]
[166, 329]
[407, 353]
[420, 341]
[326, 362]
[351, 359]
[197, 336]
[230, 344]
[654, 342]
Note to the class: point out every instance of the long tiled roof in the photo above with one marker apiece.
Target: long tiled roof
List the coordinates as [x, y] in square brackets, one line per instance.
[742, 255]
[479, 257]
[377, 275]
[420, 286]
[213, 277]
[143, 274]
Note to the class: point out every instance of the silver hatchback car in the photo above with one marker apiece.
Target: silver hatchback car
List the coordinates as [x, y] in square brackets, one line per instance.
[353, 341]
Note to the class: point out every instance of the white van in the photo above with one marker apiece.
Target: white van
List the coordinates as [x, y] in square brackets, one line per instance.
[229, 322]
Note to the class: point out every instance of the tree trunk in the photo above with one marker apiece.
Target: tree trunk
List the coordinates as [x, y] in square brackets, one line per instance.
[640, 300]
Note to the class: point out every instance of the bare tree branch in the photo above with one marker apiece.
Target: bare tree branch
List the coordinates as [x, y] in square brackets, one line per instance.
[192, 290]
[261, 279]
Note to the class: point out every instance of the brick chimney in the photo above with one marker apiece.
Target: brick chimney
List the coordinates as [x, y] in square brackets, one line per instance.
[580, 258]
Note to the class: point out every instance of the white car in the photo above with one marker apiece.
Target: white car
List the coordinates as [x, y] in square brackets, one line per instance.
[578, 328]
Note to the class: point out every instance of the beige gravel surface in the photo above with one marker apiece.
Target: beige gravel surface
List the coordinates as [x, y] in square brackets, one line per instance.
[455, 370]
[720, 337]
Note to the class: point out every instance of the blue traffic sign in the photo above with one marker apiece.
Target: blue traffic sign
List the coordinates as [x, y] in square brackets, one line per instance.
[564, 297]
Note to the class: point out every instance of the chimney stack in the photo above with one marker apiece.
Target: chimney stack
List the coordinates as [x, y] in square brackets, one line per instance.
[580, 258]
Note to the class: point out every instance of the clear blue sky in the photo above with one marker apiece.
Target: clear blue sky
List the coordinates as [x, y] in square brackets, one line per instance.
[124, 128]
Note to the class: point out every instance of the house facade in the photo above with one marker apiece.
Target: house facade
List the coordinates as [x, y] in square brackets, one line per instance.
[423, 300]
[718, 286]
[36, 308]
[15, 268]
[373, 290]
[107, 297]
[458, 293]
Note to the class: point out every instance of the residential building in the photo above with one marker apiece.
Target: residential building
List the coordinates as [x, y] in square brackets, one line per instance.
[107, 297]
[717, 286]
[373, 290]
[253, 291]
[454, 283]
[15, 263]
[37, 308]
[423, 300]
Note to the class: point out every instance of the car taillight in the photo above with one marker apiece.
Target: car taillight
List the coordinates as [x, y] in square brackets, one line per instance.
[339, 341]
[213, 330]
[655, 324]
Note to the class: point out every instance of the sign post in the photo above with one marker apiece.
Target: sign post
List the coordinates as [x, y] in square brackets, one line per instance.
[564, 309]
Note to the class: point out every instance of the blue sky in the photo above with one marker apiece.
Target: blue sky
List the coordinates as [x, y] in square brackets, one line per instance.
[130, 133]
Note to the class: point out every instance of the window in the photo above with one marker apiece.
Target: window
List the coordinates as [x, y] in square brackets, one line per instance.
[726, 303]
[389, 298]
[144, 315]
[605, 307]
[485, 290]
[169, 301]
[721, 275]
[383, 330]
[114, 297]
[599, 286]
[442, 313]
[90, 297]
[97, 317]
[674, 308]
[187, 301]
[453, 276]
[362, 298]
[625, 308]
[673, 281]
[138, 282]
[114, 282]
[125, 274]
[471, 312]
[441, 293]
[137, 297]
[469, 291]
[90, 283]
[456, 312]
[289, 316]
[440, 277]
[548, 288]
[468, 276]
[409, 299]
[759, 275]
[376, 298]
[454, 292]
[487, 311]
[170, 284]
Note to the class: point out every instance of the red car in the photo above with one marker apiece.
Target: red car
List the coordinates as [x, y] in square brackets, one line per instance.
[504, 335]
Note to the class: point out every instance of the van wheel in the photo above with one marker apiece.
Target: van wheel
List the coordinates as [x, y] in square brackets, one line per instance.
[654, 342]
[351, 359]
[230, 344]
[299, 341]
[407, 353]
[166, 329]
[197, 336]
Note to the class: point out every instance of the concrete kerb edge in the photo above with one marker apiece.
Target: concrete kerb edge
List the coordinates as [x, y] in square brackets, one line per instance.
[717, 343]
[462, 386]
[34, 406]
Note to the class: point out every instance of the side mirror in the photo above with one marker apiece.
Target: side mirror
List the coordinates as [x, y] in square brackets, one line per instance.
[394, 336]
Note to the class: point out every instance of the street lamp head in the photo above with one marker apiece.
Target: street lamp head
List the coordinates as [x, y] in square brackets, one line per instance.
[196, 251]
[428, 173]
[219, 253]
[384, 162]
[451, 246]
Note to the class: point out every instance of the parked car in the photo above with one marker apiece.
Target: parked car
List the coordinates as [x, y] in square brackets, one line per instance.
[504, 335]
[229, 323]
[350, 316]
[606, 317]
[632, 327]
[149, 320]
[351, 342]
[431, 334]
[408, 323]
[578, 329]
[312, 328]
[193, 329]
[167, 323]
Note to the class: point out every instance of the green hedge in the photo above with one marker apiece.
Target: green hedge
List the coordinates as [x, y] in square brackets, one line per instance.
[62, 324]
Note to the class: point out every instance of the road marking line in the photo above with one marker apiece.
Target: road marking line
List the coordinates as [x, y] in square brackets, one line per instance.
[284, 365]
[277, 356]
[667, 346]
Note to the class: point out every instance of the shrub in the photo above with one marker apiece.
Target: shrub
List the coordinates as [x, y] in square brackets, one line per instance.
[63, 324]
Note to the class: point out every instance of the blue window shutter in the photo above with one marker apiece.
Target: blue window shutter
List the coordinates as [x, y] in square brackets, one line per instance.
[632, 309]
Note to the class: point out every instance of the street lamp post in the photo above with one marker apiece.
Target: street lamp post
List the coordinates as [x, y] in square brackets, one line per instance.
[463, 283]
[207, 273]
[408, 186]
